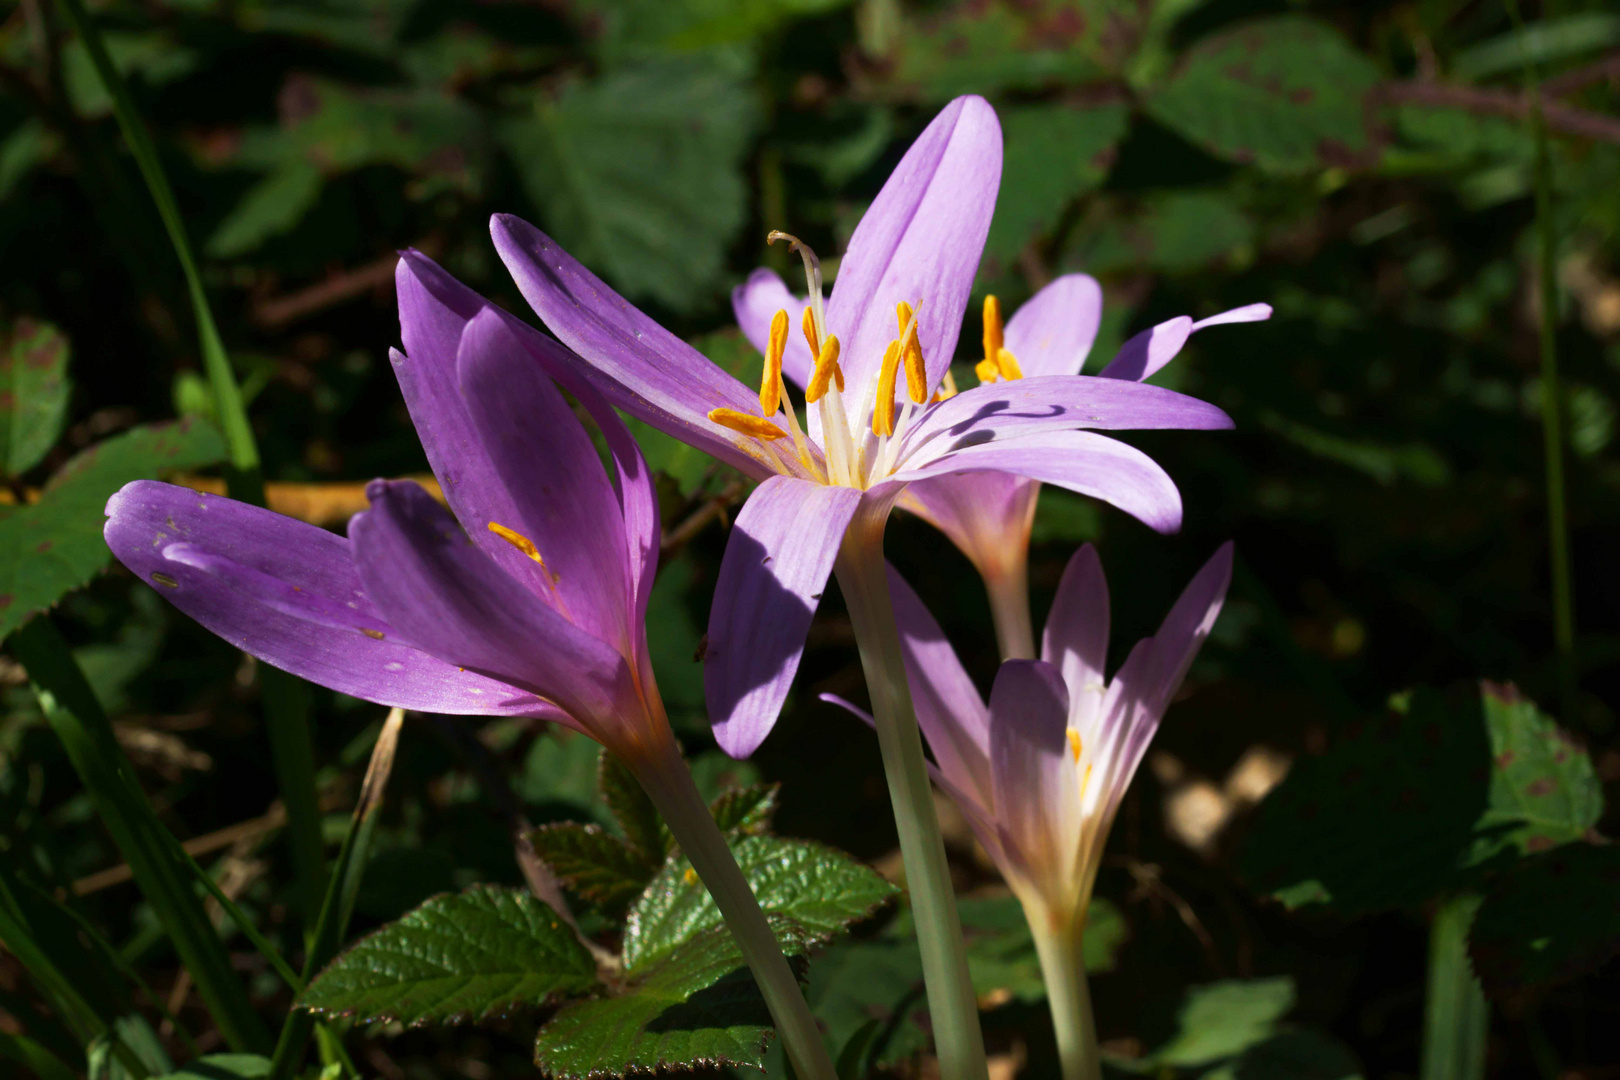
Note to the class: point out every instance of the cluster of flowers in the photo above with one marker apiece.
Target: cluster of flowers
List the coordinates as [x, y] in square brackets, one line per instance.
[527, 596]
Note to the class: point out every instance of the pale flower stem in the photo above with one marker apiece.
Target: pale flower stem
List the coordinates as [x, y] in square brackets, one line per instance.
[1064, 970]
[952, 1005]
[1008, 588]
[669, 784]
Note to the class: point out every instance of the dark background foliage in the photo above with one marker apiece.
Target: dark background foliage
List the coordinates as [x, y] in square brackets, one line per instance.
[1366, 168]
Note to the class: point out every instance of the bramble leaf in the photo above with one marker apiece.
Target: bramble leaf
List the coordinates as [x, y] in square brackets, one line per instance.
[635, 813]
[53, 546]
[819, 889]
[746, 809]
[1552, 917]
[594, 863]
[1052, 153]
[460, 956]
[1285, 93]
[1225, 1018]
[33, 393]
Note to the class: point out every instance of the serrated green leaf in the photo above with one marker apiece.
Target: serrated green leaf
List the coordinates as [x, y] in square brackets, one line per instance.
[223, 1067]
[1052, 154]
[594, 863]
[637, 173]
[1544, 789]
[1324, 833]
[746, 809]
[1286, 93]
[1225, 1018]
[1552, 917]
[54, 546]
[462, 956]
[635, 813]
[820, 890]
[695, 1004]
[34, 391]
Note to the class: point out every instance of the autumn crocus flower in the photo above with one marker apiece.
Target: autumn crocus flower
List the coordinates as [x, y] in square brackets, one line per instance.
[526, 598]
[1039, 771]
[873, 361]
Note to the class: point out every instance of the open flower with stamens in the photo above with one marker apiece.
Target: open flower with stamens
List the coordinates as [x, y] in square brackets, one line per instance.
[1039, 771]
[872, 357]
[527, 597]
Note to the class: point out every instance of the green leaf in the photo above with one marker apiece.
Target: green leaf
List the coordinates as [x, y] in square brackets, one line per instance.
[695, 24]
[1052, 154]
[1544, 790]
[594, 863]
[223, 1067]
[635, 813]
[1551, 918]
[746, 809]
[1174, 231]
[1286, 93]
[692, 1005]
[34, 391]
[272, 206]
[819, 889]
[1546, 39]
[1225, 1018]
[637, 173]
[1292, 1055]
[54, 546]
[460, 956]
[854, 983]
[1323, 835]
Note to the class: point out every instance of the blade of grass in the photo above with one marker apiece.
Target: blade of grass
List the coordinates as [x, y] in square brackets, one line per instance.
[244, 452]
[341, 891]
[155, 857]
[34, 1057]
[1552, 398]
[286, 698]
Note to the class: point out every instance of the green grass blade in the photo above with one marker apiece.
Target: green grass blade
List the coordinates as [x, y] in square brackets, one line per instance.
[340, 894]
[1456, 1017]
[34, 1057]
[246, 484]
[154, 856]
[287, 702]
[243, 923]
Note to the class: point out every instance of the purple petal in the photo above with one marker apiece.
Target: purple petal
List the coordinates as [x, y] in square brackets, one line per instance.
[447, 597]
[949, 709]
[771, 579]
[435, 310]
[987, 515]
[1156, 346]
[641, 367]
[287, 592]
[1036, 783]
[1046, 402]
[755, 303]
[1076, 635]
[1080, 461]
[560, 498]
[920, 242]
[1051, 334]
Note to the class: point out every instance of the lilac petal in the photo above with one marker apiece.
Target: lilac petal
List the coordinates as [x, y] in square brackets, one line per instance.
[1156, 346]
[562, 500]
[448, 598]
[641, 367]
[287, 592]
[1081, 461]
[1052, 333]
[1036, 782]
[755, 303]
[949, 709]
[1046, 402]
[435, 309]
[1076, 635]
[1150, 677]
[775, 568]
[920, 242]
[987, 515]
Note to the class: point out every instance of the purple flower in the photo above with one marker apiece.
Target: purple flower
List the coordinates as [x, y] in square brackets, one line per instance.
[1039, 773]
[528, 601]
[873, 358]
